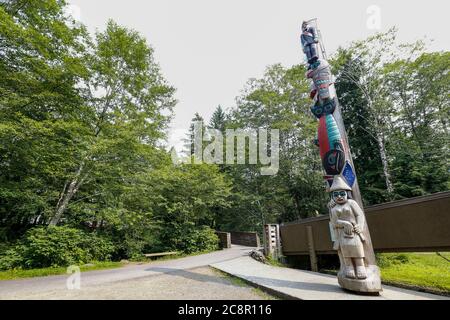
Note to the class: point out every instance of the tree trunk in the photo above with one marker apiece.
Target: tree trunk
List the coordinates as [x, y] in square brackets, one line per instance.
[70, 189]
[384, 161]
[67, 195]
[381, 143]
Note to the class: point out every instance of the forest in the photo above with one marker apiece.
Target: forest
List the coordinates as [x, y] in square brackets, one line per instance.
[86, 172]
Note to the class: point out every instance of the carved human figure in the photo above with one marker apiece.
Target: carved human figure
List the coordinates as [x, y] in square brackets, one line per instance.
[309, 42]
[347, 219]
[322, 79]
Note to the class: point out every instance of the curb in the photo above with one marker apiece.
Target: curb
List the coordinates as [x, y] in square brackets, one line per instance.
[268, 290]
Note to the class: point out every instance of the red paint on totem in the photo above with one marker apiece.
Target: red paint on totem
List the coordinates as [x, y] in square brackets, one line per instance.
[324, 144]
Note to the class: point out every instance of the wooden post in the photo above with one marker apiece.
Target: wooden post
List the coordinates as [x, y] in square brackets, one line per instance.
[279, 251]
[312, 251]
[267, 247]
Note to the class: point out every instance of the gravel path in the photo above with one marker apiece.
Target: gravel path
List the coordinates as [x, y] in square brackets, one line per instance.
[185, 278]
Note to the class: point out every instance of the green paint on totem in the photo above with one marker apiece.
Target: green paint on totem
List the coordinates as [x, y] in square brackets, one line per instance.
[332, 130]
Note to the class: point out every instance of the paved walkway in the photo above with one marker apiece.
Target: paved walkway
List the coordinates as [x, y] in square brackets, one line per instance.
[306, 285]
[191, 278]
[184, 278]
[201, 283]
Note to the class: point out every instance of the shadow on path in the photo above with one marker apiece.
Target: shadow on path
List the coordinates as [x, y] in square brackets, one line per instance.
[192, 275]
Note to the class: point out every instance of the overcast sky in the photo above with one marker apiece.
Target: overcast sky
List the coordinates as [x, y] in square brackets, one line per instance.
[208, 49]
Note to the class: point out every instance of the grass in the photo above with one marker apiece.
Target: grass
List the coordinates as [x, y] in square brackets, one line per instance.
[421, 270]
[181, 255]
[426, 272]
[41, 272]
[276, 263]
[241, 283]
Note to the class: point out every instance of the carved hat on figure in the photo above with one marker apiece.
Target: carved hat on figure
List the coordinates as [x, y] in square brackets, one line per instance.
[339, 184]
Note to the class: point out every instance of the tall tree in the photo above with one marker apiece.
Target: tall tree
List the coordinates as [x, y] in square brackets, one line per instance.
[81, 125]
[358, 120]
[78, 116]
[393, 94]
[41, 109]
[367, 74]
[127, 96]
[218, 119]
[279, 100]
[196, 122]
[420, 145]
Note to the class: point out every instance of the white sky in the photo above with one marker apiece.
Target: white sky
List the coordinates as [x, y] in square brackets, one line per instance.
[208, 49]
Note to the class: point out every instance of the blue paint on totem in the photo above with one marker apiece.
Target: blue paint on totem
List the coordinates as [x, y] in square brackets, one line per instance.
[348, 174]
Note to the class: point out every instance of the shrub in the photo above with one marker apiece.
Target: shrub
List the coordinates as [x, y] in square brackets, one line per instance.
[55, 246]
[200, 239]
[10, 259]
[185, 237]
[99, 248]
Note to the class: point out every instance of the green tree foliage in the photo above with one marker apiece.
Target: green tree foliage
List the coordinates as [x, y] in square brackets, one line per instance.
[126, 97]
[84, 173]
[189, 141]
[218, 119]
[421, 137]
[357, 119]
[82, 121]
[185, 199]
[279, 100]
[396, 110]
[395, 107]
[365, 71]
[40, 66]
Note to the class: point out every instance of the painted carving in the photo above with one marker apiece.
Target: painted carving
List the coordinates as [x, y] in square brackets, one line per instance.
[320, 73]
[348, 174]
[309, 42]
[330, 145]
[347, 219]
[348, 228]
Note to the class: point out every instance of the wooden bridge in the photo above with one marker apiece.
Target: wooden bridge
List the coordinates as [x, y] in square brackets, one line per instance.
[410, 225]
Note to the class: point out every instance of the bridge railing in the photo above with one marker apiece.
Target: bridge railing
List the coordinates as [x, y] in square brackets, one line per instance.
[410, 225]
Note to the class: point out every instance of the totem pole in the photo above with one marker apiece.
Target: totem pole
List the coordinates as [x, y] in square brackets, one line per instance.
[348, 226]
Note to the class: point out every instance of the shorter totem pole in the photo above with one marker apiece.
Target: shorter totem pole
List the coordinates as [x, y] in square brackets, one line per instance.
[348, 226]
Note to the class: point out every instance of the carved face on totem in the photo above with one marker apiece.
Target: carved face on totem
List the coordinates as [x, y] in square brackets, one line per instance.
[339, 196]
[304, 25]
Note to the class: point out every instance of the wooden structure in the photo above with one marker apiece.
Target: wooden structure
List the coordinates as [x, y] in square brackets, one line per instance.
[410, 225]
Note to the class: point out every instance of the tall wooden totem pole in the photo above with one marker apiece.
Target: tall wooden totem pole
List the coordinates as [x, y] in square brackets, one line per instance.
[348, 226]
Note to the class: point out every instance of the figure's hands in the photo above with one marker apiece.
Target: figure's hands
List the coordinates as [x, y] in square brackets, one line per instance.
[348, 228]
[357, 229]
[316, 40]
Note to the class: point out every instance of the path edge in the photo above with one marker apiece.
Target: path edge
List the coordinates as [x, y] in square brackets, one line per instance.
[266, 289]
